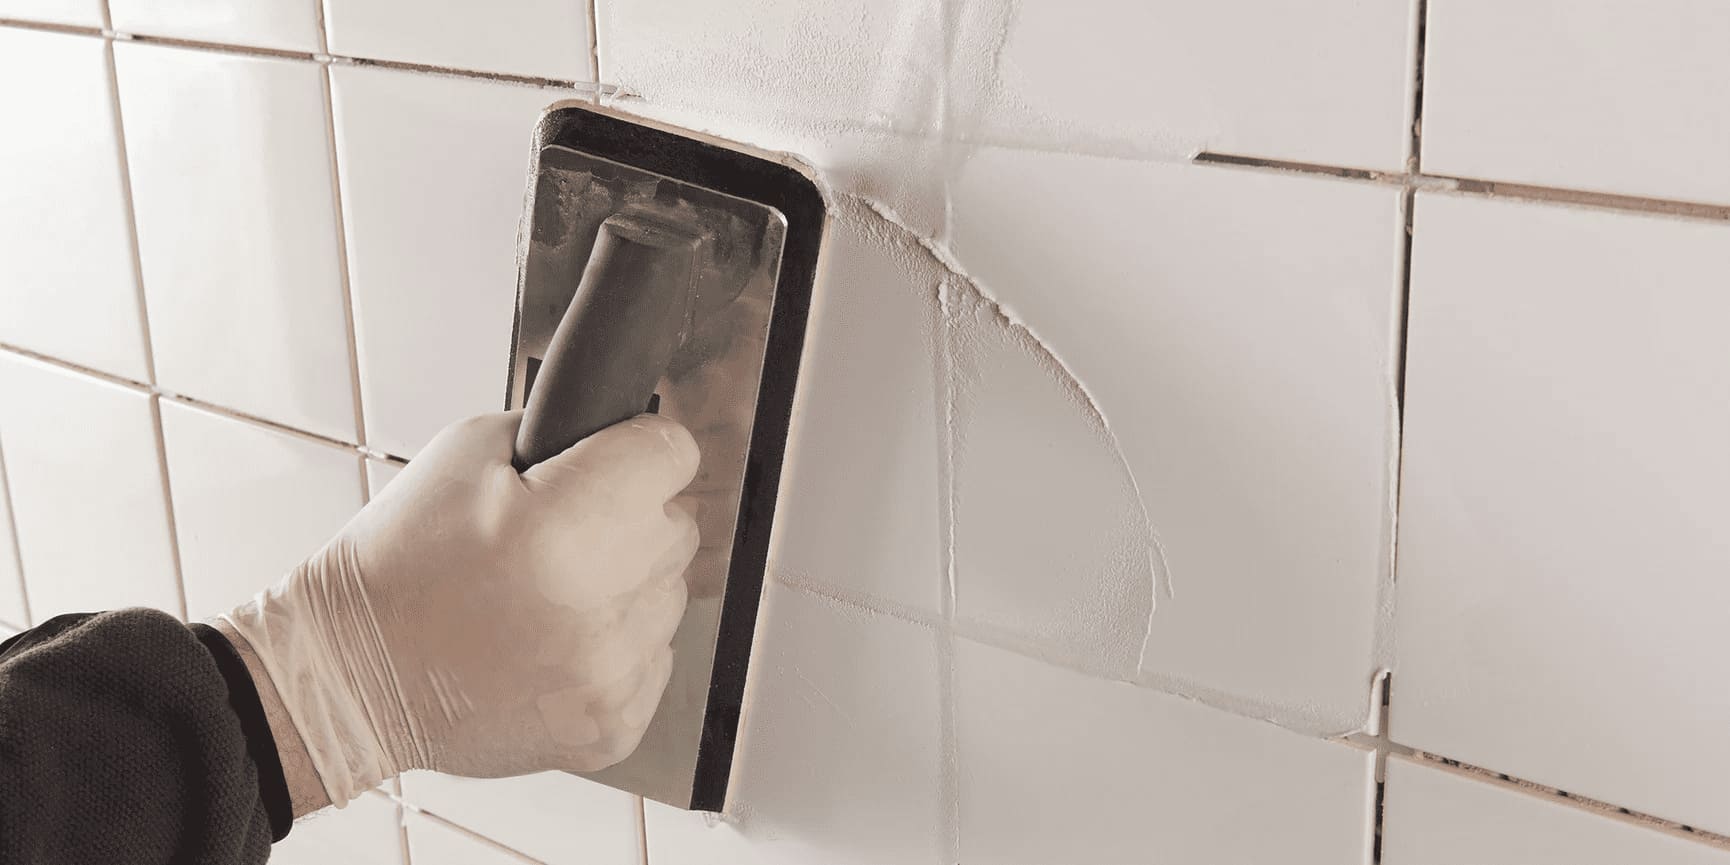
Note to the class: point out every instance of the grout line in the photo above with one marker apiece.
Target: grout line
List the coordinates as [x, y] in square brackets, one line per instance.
[168, 501]
[1383, 741]
[211, 407]
[344, 271]
[1471, 186]
[321, 57]
[131, 211]
[949, 749]
[1420, 55]
[11, 528]
[489, 841]
[594, 45]
[1557, 796]
[642, 832]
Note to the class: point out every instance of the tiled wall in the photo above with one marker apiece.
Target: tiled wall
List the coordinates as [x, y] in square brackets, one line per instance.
[1269, 279]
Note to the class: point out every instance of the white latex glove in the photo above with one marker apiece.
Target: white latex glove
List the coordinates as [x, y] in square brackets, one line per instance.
[479, 622]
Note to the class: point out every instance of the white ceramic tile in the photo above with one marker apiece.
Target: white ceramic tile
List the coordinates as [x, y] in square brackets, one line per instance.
[245, 301]
[1237, 330]
[1562, 523]
[433, 843]
[433, 172]
[855, 87]
[859, 497]
[1320, 82]
[250, 503]
[68, 286]
[13, 609]
[1059, 767]
[367, 832]
[83, 13]
[546, 38]
[1434, 816]
[556, 818]
[287, 24]
[379, 473]
[838, 761]
[88, 497]
[1606, 95]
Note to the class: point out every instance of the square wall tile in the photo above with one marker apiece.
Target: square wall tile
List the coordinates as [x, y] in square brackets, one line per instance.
[290, 25]
[237, 234]
[556, 818]
[1563, 533]
[250, 503]
[433, 171]
[1605, 95]
[1117, 773]
[68, 286]
[88, 496]
[431, 842]
[80, 13]
[1237, 330]
[855, 87]
[1325, 82]
[367, 832]
[1436, 816]
[838, 760]
[13, 609]
[859, 498]
[545, 38]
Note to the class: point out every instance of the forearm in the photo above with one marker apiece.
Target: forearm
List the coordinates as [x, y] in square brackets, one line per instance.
[305, 790]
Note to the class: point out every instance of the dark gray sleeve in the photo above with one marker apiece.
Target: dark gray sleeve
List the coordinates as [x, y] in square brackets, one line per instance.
[118, 745]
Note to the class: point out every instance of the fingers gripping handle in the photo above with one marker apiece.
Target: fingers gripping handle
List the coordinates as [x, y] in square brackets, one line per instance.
[630, 314]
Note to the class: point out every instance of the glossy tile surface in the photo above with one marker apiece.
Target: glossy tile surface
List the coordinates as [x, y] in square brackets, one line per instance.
[82, 13]
[1165, 78]
[1245, 365]
[367, 832]
[556, 818]
[237, 236]
[1117, 773]
[544, 38]
[1435, 816]
[839, 761]
[68, 285]
[250, 503]
[859, 503]
[1563, 518]
[88, 496]
[1605, 95]
[285, 24]
[433, 292]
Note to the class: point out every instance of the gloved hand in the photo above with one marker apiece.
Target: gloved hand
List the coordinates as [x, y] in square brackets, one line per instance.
[479, 622]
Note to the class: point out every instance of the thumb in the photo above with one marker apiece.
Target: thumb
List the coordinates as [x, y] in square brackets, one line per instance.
[650, 453]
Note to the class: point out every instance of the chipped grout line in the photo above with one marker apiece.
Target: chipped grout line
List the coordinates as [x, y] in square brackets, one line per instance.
[1470, 186]
[213, 408]
[1420, 57]
[1555, 795]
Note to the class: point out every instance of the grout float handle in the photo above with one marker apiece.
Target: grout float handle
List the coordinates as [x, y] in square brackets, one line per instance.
[616, 339]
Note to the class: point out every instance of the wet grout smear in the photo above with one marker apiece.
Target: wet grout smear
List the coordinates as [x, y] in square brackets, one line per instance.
[1067, 567]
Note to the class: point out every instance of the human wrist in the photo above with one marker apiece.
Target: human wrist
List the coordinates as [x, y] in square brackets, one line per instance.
[306, 792]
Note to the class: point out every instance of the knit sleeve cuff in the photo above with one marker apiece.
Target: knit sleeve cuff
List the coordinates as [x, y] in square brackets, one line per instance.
[260, 744]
